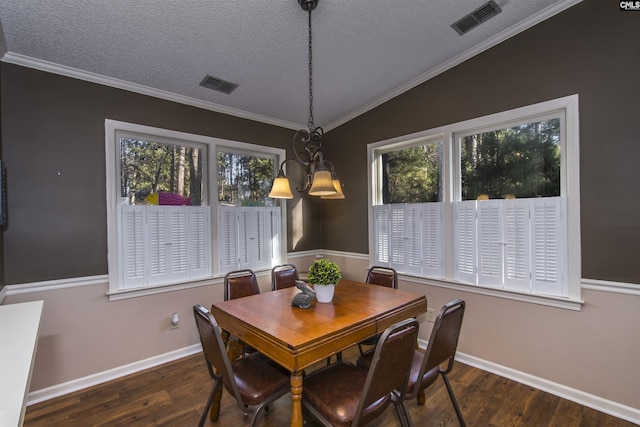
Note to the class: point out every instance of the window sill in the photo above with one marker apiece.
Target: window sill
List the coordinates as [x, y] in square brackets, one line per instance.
[141, 292]
[551, 301]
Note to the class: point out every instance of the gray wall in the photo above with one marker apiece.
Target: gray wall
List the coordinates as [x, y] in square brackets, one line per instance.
[53, 132]
[591, 49]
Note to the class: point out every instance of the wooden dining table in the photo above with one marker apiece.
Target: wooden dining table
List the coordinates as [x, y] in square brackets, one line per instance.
[297, 338]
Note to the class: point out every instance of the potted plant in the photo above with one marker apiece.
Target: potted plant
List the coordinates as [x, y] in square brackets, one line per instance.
[324, 275]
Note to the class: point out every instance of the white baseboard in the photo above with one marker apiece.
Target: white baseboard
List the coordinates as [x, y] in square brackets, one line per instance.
[112, 374]
[589, 400]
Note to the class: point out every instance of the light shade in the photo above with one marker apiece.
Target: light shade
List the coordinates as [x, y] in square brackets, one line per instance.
[281, 188]
[339, 194]
[322, 184]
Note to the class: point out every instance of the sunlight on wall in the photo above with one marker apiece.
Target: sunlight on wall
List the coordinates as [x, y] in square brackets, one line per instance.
[297, 223]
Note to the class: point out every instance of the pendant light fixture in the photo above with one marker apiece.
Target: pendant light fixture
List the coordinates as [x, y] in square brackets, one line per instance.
[320, 178]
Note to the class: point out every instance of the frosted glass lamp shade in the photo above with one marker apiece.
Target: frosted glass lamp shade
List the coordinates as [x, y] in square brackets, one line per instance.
[339, 194]
[281, 188]
[322, 185]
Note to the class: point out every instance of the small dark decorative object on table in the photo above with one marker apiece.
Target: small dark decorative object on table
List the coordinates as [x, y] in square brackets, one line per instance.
[304, 298]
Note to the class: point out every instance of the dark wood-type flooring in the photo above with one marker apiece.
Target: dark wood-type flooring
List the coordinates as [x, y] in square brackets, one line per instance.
[174, 394]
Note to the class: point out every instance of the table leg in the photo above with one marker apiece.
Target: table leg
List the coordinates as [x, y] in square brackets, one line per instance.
[296, 399]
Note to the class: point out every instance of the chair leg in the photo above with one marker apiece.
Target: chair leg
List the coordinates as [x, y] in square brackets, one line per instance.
[403, 413]
[453, 399]
[208, 405]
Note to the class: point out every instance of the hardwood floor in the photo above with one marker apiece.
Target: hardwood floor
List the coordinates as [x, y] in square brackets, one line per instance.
[174, 394]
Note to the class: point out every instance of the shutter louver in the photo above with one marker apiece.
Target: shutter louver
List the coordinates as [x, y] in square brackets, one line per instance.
[517, 244]
[397, 247]
[199, 237]
[178, 232]
[432, 240]
[157, 244]
[133, 246]
[412, 238]
[381, 218]
[465, 241]
[228, 232]
[547, 246]
[489, 234]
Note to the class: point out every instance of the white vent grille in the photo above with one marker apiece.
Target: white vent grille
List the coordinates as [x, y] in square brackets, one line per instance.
[218, 84]
[475, 18]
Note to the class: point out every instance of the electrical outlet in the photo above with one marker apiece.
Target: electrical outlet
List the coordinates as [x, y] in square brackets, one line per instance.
[174, 321]
[431, 315]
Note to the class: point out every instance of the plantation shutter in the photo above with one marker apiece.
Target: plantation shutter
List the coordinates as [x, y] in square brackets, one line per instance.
[548, 246]
[465, 241]
[157, 246]
[199, 250]
[381, 234]
[133, 246]
[397, 246]
[178, 233]
[249, 237]
[517, 254]
[413, 238]
[489, 234]
[272, 235]
[228, 238]
[433, 240]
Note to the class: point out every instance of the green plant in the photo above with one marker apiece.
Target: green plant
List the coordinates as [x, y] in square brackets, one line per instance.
[324, 272]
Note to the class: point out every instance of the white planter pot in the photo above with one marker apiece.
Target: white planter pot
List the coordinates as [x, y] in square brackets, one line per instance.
[324, 293]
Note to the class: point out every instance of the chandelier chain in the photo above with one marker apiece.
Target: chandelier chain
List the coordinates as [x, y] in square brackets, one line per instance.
[310, 124]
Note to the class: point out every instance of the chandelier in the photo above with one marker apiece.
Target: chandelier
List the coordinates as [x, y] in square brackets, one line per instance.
[320, 179]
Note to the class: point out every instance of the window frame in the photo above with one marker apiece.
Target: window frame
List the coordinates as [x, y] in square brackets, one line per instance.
[567, 108]
[112, 152]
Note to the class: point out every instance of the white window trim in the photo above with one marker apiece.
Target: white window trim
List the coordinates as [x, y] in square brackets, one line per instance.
[570, 156]
[112, 196]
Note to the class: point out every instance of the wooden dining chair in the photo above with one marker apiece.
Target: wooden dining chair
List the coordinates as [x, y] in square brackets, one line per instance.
[254, 381]
[283, 276]
[441, 350]
[381, 276]
[343, 394]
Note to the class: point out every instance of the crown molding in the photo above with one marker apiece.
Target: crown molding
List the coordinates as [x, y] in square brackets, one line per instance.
[476, 50]
[50, 67]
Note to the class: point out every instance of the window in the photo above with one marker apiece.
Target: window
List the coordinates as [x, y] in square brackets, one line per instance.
[164, 228]
[491, 203]
[249, 224]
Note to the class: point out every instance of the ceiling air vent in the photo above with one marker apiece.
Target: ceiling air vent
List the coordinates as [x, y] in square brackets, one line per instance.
[218, 84]
[475, 18]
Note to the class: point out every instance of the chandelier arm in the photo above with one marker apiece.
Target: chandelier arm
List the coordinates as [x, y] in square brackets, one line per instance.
[303, 139]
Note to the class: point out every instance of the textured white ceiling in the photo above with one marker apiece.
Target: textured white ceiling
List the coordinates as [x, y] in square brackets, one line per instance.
[364, 51]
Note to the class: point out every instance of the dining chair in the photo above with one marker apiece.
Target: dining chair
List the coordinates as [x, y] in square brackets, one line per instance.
[343, 394]
[441, 350]
[254, 381]
[239, 284]
[283, 276]
[381, 276]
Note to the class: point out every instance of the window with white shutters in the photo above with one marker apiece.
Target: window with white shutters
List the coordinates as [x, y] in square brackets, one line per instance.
[165, 230]
[500, 219]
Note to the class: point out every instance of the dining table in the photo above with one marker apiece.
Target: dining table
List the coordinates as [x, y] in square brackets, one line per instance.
[297, 338]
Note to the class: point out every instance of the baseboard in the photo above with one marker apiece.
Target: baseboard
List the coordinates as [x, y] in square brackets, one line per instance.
[609, 407]
[112, 374]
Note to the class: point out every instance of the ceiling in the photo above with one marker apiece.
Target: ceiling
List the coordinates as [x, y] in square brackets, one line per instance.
[364, 51]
